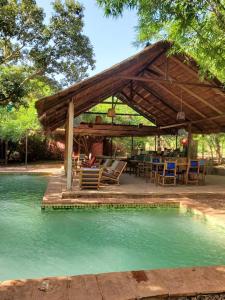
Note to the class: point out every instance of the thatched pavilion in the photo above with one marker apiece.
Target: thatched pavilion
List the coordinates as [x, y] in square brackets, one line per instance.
[150, 82]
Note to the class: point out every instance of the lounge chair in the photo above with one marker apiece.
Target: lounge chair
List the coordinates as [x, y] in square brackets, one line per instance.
[90, 178]
[113, 173]
[107, 163]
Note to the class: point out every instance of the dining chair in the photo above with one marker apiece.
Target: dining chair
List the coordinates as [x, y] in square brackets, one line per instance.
[202, 170]
[168, 176]
[192, 173]
[154, 170]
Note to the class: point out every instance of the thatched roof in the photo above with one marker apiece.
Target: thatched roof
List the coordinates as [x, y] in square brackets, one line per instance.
[152, 83]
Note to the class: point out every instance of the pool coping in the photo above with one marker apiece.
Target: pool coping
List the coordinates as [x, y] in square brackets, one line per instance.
[132, 285]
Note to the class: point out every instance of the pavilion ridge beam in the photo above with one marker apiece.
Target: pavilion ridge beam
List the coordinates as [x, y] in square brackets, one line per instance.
[149, 64]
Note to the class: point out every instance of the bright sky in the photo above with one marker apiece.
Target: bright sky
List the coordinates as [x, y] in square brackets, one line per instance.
[111, 38]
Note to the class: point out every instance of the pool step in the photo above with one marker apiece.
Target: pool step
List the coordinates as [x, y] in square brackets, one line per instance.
[98, 194]
[111, 203]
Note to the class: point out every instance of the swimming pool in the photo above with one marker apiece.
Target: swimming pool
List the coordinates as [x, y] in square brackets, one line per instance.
[35, 243]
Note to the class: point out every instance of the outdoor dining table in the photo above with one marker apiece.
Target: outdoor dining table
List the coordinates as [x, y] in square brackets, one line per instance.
[161, 164]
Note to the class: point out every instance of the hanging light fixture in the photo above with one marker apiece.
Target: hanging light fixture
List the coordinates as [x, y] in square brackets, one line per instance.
[182, 132]
[181, 113]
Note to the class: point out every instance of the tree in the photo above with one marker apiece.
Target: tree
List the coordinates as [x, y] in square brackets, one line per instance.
[196, 27]
[30, 48]
[14, 123]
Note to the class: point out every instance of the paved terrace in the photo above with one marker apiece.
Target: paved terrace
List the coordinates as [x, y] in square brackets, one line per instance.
[136, 190]
[39, 168]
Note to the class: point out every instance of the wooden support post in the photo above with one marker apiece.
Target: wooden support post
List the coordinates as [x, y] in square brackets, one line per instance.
[155, 143]
[66, 146]
[69, 132]
[176, 141]
[189, 142]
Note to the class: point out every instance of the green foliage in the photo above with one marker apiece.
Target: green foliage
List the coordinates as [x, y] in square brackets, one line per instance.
[30, 48]
[15, 122]
[196, 27]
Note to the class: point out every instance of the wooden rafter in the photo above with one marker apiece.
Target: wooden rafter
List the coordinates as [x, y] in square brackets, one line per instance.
[168, 81]
[192, 122]
[155, 107]
[193, 94]
[189, 69]
[122, 96]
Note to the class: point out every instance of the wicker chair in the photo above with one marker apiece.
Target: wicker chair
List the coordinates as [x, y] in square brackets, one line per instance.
[113, 174]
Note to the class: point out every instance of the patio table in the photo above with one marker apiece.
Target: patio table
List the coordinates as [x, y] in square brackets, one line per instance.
[161, 164]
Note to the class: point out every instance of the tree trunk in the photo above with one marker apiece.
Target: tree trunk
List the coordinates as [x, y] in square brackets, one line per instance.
[218, 149]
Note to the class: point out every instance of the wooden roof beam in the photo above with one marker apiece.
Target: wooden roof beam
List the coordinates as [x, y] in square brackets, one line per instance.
[147, 102]
[170, 80]
[178, 99]
[156, 95]
[192, 122]
[189, 69]
[145, 114]
[193, 94]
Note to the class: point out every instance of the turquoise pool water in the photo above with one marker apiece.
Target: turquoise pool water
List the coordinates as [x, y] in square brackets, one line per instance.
[37, 244]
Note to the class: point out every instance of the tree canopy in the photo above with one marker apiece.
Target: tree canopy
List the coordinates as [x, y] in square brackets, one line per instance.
[14, 123]
[31, 48]
[196, 27]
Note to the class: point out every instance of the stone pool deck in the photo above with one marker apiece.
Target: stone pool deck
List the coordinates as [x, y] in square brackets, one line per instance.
[134, 190]
[183, 283]
[39, 168]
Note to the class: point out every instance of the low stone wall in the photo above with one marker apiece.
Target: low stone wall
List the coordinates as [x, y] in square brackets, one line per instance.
[200, 283]
[216, 171]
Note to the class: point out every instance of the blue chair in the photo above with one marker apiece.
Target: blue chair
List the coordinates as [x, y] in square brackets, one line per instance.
[192, 174]
[155, 169]
[169, 174]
